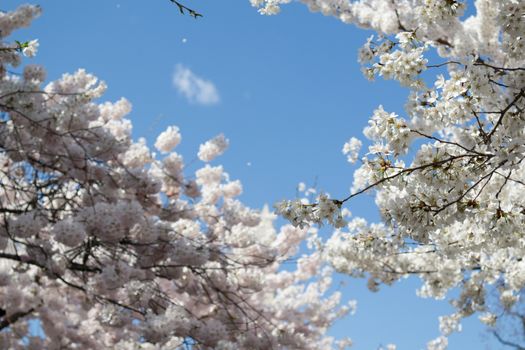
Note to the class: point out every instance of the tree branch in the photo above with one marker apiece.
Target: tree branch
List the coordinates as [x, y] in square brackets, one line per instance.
[183, 9]
[9, 320]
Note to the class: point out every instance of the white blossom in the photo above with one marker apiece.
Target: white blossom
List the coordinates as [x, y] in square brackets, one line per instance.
[31, 48]
[168, 139]
[351, 149]
[213, 148]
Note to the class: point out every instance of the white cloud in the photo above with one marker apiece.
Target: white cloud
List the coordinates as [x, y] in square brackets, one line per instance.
[194, 88]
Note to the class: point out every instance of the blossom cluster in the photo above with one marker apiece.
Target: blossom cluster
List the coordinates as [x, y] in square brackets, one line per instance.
[300, 213]
[213, 148]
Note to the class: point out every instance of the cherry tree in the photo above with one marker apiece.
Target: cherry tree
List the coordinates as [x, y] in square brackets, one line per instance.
[110, 245]
[448, 174]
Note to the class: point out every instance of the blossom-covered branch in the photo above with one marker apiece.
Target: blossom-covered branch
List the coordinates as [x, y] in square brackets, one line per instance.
[447, 177]
[109, 245]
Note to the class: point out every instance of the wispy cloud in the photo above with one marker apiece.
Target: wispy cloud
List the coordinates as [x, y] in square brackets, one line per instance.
[194, 88]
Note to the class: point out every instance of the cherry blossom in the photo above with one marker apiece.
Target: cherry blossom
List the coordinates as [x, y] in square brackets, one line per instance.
[110, 246]
[447, 172]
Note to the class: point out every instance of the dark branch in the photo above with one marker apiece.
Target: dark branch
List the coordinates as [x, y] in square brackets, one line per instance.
[506, 342]
[183, 9]
[9, 320]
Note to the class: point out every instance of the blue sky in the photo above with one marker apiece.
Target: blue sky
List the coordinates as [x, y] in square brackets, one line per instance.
[290, 93]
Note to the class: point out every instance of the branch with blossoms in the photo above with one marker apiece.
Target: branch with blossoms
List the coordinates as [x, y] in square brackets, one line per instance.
[301, 214]
[27, 48]
[99, 233]
[64, 195]
[447, 178]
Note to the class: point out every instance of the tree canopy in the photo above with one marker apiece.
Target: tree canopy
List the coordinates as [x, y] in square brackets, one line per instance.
[112, 245]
